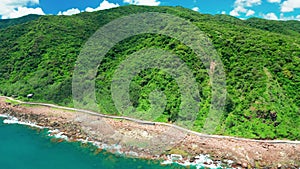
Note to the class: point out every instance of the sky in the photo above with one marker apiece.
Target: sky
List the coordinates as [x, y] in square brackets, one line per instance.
[243, 9]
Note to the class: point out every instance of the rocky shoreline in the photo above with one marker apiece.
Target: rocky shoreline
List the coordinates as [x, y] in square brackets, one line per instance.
[155, 141]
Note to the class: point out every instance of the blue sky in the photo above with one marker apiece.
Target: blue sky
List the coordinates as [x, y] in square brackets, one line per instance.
[268, 9]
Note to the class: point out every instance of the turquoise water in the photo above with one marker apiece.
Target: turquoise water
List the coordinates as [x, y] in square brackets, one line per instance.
[22, 147]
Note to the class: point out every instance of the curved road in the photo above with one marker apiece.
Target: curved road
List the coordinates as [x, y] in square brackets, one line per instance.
[153, 123]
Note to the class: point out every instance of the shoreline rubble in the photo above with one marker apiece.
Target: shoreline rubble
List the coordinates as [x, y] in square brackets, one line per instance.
[72, 127]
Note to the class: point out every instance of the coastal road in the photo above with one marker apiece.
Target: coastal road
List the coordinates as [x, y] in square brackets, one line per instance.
[153, 123]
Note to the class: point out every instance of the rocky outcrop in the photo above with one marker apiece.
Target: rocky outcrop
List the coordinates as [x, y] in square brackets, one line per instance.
[70, 128]
[75, 125]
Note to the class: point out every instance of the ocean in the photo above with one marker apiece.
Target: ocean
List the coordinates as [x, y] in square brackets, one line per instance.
[24, 147]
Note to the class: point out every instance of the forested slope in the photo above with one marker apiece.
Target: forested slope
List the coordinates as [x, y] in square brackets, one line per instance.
[261, 60]
[4, 23]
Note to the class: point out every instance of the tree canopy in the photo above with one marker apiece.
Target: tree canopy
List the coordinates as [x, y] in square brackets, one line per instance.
[261, 60]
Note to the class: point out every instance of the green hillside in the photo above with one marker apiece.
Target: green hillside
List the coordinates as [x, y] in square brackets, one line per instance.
[261, 59]
[4, 23]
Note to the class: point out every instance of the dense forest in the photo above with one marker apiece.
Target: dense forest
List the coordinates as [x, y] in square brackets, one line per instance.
[10, 22]
[261, 60]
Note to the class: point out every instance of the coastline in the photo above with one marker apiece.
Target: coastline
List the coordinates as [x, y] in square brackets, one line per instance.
[126, 134]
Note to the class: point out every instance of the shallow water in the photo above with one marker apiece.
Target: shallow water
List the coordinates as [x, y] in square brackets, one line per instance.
[22, 147]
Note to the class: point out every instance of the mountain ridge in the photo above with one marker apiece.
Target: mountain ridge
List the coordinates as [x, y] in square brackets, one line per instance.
[262, 67]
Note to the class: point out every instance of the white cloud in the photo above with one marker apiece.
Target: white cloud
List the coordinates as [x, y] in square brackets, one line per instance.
[247, 3]
[143, 2]
[250, 12]
[223, 12]
[22, 11]
[270, 16]
[18, 8]
[104, 5]
[195, 9]
[19, 2]
[236, 11]
[274, 1]
[241, 5]
[69, 12]
[290, 5]
[284, 18]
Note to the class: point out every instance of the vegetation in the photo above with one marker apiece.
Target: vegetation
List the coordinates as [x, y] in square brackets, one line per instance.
[177, 151]
[261, 59]
[4, 23]
[12, 102]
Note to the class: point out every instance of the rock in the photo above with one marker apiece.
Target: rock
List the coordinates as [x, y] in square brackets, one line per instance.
[194, 146]
[282, 154]
[192, 159]
[30, 95]
[279, 166]
[244, 165]
[54, 124]
[234, 166]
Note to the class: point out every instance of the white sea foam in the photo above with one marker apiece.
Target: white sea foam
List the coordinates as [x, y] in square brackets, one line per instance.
[61, 136]
[132, 153]
[117, 148]
[3, 115]
[53, 131]
[57, 134]
[14, 120]
[200, 161]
